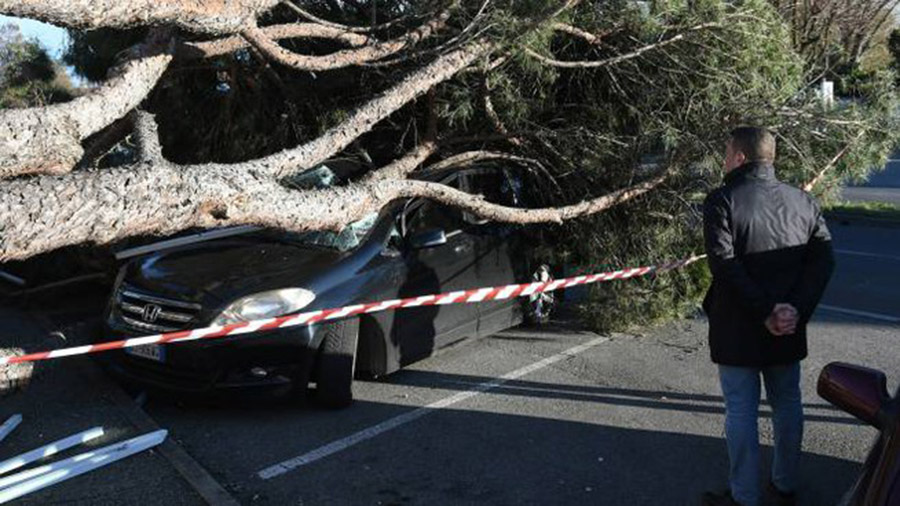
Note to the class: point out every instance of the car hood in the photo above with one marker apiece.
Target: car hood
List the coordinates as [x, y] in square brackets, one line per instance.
[229, 268]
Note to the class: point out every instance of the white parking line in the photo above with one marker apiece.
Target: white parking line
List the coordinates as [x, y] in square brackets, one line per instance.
[391, 424]
[864, 254]
[866, 314]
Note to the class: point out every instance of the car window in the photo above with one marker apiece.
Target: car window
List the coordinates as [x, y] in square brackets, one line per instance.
[497, 186]
[431, 215]
[425, 215]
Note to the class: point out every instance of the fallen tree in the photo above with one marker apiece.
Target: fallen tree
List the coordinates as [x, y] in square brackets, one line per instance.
[156, 196]
[620, 111]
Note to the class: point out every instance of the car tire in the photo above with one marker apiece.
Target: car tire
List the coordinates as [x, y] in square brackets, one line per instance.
[337, 364]
[538, 308]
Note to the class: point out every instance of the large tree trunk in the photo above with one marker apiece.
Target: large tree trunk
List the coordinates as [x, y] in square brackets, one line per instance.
[49, 212]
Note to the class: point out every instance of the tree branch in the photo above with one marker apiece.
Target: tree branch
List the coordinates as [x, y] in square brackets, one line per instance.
[495, 120]
[48, 139]
[617, 59]
[219, 17]
[470, 157]
[833, 163]
[349, 57]
[365, 117]
[402, 167]
[48, 212]
[594, 39]
[227, 45]
[346, 28]
[147, 136]
[477, 205]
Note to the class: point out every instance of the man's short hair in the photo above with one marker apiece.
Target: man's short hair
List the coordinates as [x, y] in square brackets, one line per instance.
[757, 144]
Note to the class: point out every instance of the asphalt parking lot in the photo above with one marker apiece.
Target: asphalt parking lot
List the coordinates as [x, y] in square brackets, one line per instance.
[553, 416]
[550, 416]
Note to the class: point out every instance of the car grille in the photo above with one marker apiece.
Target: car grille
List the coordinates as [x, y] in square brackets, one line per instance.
[152, 313]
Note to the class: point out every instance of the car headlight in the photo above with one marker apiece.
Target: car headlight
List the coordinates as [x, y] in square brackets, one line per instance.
[263, 305]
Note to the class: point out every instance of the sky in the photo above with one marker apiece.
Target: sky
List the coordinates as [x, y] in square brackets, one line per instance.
[52, 38]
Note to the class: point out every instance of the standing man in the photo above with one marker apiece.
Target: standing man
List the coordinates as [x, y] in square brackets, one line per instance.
[771, 258]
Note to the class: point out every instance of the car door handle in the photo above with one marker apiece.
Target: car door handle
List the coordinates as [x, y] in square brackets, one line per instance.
[461, 248]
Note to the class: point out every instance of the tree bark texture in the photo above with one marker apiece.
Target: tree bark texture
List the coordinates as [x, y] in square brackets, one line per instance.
[48, 212]
[59, 207]
[214, 17]
[362, 120]
[345, 58]
[48, 139]
[228, 45]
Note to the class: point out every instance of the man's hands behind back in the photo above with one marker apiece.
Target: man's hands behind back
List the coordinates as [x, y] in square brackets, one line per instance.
[783, 320]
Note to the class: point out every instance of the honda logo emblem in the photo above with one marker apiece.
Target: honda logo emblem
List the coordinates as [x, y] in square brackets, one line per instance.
[151, 313]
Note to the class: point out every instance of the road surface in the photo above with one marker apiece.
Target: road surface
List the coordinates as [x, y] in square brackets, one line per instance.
[554, 416]
[883, 186]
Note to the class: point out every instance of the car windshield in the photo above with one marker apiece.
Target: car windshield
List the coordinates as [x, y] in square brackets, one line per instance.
[347, 239]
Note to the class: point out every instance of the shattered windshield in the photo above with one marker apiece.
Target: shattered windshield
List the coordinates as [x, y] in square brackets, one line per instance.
[347, 239]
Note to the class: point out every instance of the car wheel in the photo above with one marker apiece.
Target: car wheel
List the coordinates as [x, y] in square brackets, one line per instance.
[539, 306]
[337, 364]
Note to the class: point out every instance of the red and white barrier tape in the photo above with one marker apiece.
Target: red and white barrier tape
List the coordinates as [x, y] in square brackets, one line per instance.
[311, 317]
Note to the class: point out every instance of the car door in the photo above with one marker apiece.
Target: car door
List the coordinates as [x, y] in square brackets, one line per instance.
[498, 249]
[439, 269]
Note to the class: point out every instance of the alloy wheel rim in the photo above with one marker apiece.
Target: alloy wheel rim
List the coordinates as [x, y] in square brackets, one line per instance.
[542, 303]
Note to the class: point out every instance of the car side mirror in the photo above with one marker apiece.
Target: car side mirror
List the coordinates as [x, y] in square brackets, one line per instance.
[860, 391]
[428, 239]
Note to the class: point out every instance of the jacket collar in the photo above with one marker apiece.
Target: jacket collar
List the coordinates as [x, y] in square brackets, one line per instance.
[751, 170]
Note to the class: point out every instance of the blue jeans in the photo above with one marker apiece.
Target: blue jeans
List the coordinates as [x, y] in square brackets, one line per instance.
[741, 388]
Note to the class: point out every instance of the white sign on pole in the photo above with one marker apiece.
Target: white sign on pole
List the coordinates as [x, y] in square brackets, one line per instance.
[827, 93]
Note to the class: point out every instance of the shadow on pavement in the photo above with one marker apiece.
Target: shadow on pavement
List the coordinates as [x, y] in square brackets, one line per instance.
[459, 456]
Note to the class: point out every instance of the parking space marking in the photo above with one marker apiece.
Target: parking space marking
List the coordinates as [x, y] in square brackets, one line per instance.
[865, 314]
[393, 423]
[865, 254]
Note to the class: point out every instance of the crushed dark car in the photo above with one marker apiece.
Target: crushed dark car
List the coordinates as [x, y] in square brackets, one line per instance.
[411, 248]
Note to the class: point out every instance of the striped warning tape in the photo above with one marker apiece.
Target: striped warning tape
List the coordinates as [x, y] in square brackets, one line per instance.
[311, 317]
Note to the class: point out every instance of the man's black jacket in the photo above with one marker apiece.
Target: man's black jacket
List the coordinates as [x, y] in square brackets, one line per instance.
[767, 243]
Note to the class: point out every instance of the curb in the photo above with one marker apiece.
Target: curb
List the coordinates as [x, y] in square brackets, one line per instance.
[862, 218]
[193, 473]
[189, 469]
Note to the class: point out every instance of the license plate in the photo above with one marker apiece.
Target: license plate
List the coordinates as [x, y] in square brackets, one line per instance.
[149, 351]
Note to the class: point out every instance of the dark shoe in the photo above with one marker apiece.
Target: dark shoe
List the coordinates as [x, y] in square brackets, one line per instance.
[780, 498]
[718, 499]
